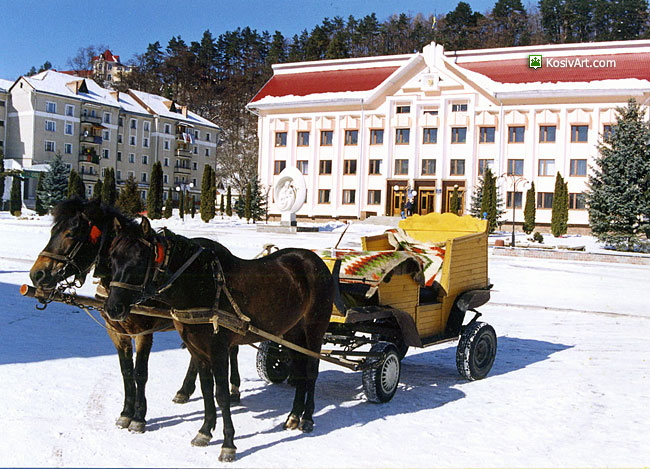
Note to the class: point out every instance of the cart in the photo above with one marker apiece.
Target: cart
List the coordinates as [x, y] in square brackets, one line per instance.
[375, 332]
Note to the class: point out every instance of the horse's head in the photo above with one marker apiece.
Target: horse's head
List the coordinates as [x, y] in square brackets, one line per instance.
[75, 240]
[133, 256]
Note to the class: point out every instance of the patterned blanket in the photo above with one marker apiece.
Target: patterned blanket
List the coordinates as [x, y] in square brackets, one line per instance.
[371, 267]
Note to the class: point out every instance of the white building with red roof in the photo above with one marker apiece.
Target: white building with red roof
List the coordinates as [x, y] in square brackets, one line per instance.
[368, 133]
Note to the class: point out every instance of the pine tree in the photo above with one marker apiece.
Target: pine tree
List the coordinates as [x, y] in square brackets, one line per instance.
[16, 201]
[559, 207]
[55, 183]
[489, 200]
[97, 189]
[207, 194]
[477, 198]
[529, 210]
[221, 206]
[129, 200]
[192, 205]
[109, 191]
[154, 197]
[39, 207]
[167, 213]
[258, 201]
[229, 202]
[247, 203]
[454, 201]
[76, 186]
[181, 203]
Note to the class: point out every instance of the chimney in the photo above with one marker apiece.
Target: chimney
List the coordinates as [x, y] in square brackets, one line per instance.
[184, 111]
[115, 95]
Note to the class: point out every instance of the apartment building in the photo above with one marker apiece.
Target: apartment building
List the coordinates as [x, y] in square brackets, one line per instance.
[4, 88]
[94, 129]
[370, 133]
[108, 69]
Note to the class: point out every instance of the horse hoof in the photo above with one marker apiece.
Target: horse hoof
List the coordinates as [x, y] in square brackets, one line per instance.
[227, 455]
[123, 422]
[201, 439]
[291, 423]
[181, 398]
[136, 427]
[306, 426]
[235, 398]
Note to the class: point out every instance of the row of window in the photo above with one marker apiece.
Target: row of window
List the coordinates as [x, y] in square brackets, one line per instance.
[545, 200]
[516, 134]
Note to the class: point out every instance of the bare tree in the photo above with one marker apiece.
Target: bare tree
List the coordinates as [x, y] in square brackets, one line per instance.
[84, 58]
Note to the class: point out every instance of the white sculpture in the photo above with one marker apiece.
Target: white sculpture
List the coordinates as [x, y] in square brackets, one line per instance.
[289, 193]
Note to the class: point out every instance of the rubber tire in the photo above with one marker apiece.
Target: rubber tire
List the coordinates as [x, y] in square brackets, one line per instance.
[476, 351]
[380, 384]
[402, 348]
[272, 362]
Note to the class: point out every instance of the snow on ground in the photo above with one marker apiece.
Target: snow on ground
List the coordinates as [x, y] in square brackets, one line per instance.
[569, 386]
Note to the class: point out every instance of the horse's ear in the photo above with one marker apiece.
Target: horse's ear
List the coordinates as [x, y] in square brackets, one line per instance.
[146, 227]
[117, 225]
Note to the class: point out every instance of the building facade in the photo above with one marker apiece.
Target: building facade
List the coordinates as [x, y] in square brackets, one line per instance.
[369, 134]
[94, 129]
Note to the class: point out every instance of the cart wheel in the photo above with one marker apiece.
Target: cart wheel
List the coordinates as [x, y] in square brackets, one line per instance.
[380, 384]
[476, 351]
[272, 362]
[399, 343]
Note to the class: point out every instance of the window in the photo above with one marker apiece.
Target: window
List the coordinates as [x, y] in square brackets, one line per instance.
[195, 166]
[69, 110]
[459, 107]
[579, 133]
[348, 196]
[166, 145]
[67, 148]
[146, 126]
[323, 196]
[303, 166]
[120, 121]
[374, 197]
[303, 139]
[325, 167]
[486, 135]
[607, 132]
[374, 167]
[428, 167]
[544, 200]
[278, 166]
[145, 159]
[132, 140]
[403, 110]
[207, 137]
[106, 135]
[280, 139]
[516, 134]
[196, 134]
[207, 152]
[134, 124]
[351, 137]
[430, 135]
[105, 153]
[401, 167]
[457, 168]
[50, 107]
[546, 133]
[517, 199]
[168, 129]
[484, 164]
[376, 136]
[350, 167]
[326, 138]
[50, 126]
[515, 167]
[49, 145]
[546, 168]
[166, 162]
[458, 134]
[145, 142]
[118, 175]
[402, 136]
[431, 112]
[69, 128]
[165, 181]
[143, 177]
[119, 156]
[131, 157]
[577, 201]
[107, 118]
[120, 138]
[578, 168]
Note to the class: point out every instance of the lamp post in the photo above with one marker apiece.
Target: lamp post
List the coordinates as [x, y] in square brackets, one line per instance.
[182, 187]
[515, 180]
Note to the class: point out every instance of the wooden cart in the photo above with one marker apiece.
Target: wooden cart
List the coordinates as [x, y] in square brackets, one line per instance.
[404, 314]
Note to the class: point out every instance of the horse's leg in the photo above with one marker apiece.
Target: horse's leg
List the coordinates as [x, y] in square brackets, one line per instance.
[210, 410]
[307, 421]
[189, 384]
[219, 353]
[235, 380]
[143, 345]
[124, 349]
[298, 373]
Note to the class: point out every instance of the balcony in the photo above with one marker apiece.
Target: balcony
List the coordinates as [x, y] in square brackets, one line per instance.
[94, 139]
[90, 119]
[181, 170]
[89, 157]
[183, 153]
[89, 177]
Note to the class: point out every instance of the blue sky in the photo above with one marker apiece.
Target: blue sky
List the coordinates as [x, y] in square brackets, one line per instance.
[33, 31]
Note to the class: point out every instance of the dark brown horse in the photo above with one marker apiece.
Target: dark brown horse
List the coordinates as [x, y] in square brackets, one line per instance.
[288, 293]
[80, 239]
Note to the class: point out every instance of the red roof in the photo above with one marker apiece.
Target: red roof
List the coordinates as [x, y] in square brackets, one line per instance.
[107, 56]
[77, 73]
[517, 70]
[332, 81]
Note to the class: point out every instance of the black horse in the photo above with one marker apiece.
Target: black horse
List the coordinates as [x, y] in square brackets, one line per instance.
[80, 239]
[288, 293]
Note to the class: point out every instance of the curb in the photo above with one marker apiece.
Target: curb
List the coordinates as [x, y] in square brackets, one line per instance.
[619, 258]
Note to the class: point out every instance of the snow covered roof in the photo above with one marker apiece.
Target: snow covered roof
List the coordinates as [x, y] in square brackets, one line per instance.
[62, 84]
[108, 56]
[161, 106]
[5, 84]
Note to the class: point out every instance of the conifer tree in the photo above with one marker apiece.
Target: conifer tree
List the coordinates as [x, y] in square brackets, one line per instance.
[258, 201]
[247, 203]
[97, 189]
[39, 207]
[154, 197]
[221, 206]
[76, 186]
[489, 200]
[454, 201]
[207, 194]
[192, 205]
[16, 200]
[477, 198]
[529, 210]
[2, 179]
[55, 183]
[559, 207]
[129, 200]
[229, 202]
[167, 213]
[109, 191]
[181, 203]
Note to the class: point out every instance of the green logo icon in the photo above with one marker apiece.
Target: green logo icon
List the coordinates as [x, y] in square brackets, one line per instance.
[535, 61]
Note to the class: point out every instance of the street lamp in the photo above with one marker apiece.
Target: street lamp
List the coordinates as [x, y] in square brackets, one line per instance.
[515, 180]
[183, 187]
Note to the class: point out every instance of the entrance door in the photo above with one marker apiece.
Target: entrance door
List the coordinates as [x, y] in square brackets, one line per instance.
[426, 201]
[449, 190]
[397, 199]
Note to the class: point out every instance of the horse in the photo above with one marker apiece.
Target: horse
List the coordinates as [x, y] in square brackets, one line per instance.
[81, 235]
[288, 293]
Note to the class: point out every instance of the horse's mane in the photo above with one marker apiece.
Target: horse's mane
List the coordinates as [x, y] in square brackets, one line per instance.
[94, 209]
